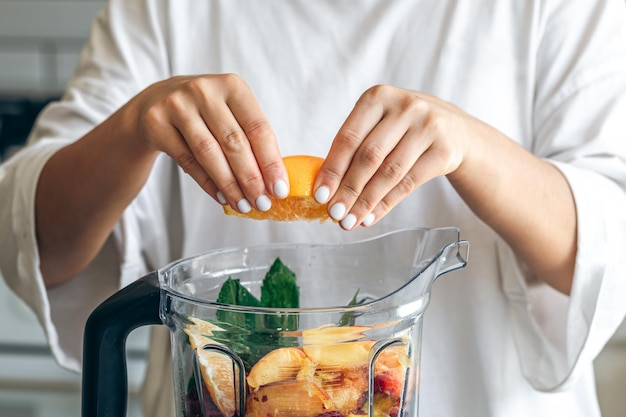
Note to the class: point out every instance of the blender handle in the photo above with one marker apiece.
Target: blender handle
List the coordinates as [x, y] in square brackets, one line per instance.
[105, 380]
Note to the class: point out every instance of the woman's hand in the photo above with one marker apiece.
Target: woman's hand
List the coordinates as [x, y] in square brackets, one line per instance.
[393, 141]
[213, 127]
[396, 140]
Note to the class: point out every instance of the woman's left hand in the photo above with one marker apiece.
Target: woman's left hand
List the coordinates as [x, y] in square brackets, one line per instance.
[393, 141]
[396, 140]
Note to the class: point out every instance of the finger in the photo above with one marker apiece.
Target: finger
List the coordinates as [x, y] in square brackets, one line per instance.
[207, 153]
[176, 148]
[237, 175]
[427, 167]
[262, 140]
[235, 146]
[358, 125]
[373, 152]
[388, 175]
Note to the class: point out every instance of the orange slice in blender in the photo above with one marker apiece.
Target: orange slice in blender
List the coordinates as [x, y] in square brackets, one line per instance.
[300, 203]
[216, 368]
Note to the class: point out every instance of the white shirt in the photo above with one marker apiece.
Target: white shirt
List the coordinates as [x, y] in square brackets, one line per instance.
[549, 74]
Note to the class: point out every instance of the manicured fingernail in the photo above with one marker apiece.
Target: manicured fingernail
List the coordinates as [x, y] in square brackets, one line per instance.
[263, 203]
[243, 206]
[368, 220]
[281, 189]
[337, 211]
[221, 199]
[349, 221]
[322, 194]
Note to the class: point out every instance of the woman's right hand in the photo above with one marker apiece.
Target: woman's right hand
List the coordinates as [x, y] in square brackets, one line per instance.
[211, 125]
[215, 130]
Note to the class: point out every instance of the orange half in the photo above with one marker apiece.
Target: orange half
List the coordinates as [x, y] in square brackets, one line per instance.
[300, 203]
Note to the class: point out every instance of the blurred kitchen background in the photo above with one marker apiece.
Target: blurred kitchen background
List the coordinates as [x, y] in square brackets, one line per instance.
[40, 41]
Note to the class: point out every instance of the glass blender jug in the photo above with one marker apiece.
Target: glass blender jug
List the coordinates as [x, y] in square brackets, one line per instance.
[351, 346]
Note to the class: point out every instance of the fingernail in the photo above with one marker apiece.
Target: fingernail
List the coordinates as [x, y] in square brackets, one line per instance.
[322, 194]
[281, 189]
[349, 221]
[368, 220]
[221, 199]
[337, 211]
[243, 206]
[263, 203]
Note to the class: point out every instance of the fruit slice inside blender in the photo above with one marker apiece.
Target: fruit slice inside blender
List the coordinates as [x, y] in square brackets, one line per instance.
[326, 373]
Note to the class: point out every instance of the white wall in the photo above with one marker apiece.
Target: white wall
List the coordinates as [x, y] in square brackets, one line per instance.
[40, 41]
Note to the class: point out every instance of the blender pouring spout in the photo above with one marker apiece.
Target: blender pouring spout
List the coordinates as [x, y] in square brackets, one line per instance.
[453, 257]
[434, 252]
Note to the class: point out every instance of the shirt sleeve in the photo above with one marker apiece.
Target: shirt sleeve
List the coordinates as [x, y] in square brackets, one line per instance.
[580, 103]
[125, 53]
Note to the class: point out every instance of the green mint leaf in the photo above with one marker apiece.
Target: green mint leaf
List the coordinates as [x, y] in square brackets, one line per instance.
[349, 318]
[279, 289]
[252, 336]
[232, 292]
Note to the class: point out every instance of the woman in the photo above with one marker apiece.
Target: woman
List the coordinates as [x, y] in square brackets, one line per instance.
[429, 113]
